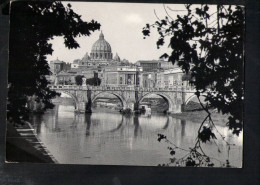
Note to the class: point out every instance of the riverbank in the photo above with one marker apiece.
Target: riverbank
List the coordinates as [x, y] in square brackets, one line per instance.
[22, 145]
[199, 115]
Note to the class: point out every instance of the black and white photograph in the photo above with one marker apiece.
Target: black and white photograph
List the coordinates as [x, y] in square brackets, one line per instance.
[131, 84]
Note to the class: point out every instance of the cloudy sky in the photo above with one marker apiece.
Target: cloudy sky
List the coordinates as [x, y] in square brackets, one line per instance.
[122, 25]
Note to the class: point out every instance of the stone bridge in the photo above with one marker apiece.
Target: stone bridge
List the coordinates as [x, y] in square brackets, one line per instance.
[130, 97]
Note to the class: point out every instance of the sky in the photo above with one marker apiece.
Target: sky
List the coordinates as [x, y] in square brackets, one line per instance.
[121, 24]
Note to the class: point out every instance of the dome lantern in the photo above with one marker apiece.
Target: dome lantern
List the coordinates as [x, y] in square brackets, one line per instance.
[101, 36]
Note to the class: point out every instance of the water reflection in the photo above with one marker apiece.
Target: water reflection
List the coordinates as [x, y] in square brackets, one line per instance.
[167, 123]
[137, 128]
[183, 124]
[111, 138]
[88, 121]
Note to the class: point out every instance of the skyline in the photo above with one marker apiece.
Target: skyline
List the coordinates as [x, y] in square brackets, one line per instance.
[121, 24]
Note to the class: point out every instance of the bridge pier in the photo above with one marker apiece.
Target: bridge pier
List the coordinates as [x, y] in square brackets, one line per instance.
[81, 108]
[182, 107]
[89, 103]
[175, 109]
[84, 107]
[88, 107]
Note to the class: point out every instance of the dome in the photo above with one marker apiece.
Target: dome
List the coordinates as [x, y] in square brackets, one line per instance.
[117, 58]
[101, 46]
[86, 57]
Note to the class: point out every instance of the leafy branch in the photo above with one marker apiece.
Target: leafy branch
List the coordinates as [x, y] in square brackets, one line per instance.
[211, 50]
[32, 25]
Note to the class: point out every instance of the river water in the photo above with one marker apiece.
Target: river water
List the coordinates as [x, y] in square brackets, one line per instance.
[109, 138]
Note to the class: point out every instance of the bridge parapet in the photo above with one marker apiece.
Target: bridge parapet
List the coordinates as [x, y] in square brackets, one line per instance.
[183, 88]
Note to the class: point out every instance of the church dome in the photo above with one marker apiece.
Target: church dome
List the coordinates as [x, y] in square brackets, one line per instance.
[101, 49]
[86, 57]
[117, 58]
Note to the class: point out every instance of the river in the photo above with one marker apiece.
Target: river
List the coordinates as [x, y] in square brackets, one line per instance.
[109, 138]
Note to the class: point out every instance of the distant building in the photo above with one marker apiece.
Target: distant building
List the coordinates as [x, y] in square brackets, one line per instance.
[149, 65]
[57, 66]
[153, 65]
[75, 64]
[171, 77]
[114, 71]
[122, 76]
[148, 79]
[65, 78]
[100, 56]
[160, 79]
[167, 65]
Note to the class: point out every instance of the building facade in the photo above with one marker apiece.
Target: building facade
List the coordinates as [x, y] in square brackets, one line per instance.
[57, 66]
[169, 78]
[122, 76]
[154, 65]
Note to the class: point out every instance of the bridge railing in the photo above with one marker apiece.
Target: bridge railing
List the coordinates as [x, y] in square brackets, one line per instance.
[183, 87]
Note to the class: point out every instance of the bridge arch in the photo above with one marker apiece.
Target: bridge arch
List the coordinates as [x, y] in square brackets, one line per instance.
[164, 96]
[122, 100]
[76, 102]
[190, 96]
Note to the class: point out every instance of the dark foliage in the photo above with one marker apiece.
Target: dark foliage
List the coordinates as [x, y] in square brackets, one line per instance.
[206, 134]
[95, 81]
[32, 24]
[193, 157]
[160, 137]
[212, 51]
[78, 79]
